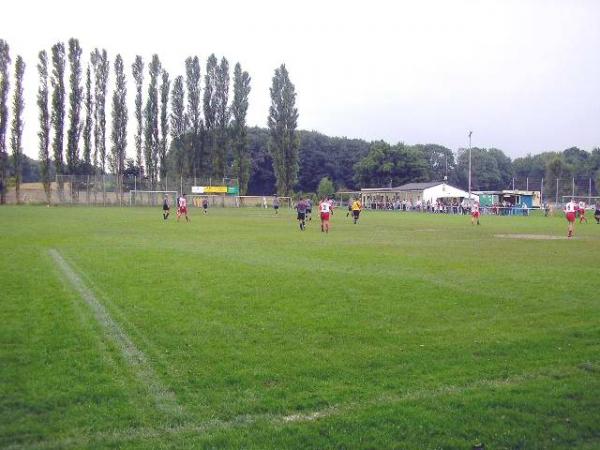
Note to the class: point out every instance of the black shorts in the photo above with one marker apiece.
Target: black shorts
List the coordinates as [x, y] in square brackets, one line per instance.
[356, 213]
[301, 216]
[276, 207]
[166, 208]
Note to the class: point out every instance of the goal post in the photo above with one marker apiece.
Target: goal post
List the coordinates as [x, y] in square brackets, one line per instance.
[237, 201]
[589, 200]
[139, 197]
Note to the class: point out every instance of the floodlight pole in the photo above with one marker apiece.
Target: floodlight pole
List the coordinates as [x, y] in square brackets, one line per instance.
[470, 133]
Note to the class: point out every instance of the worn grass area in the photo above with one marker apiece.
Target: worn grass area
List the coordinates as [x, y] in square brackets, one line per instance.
[406, 330]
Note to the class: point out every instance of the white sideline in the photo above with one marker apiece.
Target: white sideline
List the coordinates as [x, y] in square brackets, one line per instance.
[164, 399]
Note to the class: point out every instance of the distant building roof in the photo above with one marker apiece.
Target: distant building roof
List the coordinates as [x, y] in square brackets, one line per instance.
[406, 187]
[418, 186]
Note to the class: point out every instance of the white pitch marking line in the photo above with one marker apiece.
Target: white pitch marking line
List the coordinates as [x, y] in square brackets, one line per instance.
[164, 399]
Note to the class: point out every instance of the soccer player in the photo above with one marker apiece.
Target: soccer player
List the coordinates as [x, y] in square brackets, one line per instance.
[597, 213]
[309, 209]
[570, 209]
[582, 212]
[276, 204]
[205, 205]
[182, 211]
[301, 209]
[356, 209]
[349, 207]
[325, 211]
[475, 213]
[166, 207]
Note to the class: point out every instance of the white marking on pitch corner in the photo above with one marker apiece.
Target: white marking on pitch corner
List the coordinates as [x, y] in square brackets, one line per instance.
[165, 399]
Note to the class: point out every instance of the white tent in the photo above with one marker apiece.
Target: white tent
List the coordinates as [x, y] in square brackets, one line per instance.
[445, 191]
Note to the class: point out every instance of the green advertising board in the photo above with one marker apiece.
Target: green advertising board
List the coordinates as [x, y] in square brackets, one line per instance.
[486, 200]
[233, 190]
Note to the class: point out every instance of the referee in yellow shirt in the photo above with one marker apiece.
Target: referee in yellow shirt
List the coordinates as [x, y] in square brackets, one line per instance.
[356, 209]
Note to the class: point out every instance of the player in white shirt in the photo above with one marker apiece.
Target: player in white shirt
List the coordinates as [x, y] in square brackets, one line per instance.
[182, 209]
[475, 213]
[570, 212]
[325, 212]
[581, 210]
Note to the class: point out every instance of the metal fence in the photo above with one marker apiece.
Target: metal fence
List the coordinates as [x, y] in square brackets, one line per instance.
[110, 190]
[555, 189]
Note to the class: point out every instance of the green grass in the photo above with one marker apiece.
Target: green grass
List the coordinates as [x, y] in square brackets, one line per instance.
[404, 331]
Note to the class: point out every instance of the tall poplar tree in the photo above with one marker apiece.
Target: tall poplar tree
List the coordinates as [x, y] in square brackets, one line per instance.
[239, 109]
[101, 71]
[195, 151]
[283, 139]
[87, 127]
[57, 117]
[221, 119]
[119, 124]
[4, 87]
[151, 134]
[75, 98]
[44, 132]
[137, 69]
[178, 125]
[210, 106]
[17, 124]
[164, 125]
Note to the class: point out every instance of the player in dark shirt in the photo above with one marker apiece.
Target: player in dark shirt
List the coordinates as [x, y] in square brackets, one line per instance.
[166, 207]
[301, 208]
[308, 202]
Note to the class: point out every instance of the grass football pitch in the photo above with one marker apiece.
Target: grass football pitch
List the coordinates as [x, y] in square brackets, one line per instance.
[237, 330]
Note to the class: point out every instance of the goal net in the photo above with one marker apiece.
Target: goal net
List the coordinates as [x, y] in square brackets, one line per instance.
[589, 200]
[237, 201]
[151, 198]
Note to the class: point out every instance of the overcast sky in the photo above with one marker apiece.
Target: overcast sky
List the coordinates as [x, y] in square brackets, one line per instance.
[523, 75]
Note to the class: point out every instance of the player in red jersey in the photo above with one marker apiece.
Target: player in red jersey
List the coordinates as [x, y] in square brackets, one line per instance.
[570, 210]
[581, 210]
[325, 212]
[475, 213]
[182, 210]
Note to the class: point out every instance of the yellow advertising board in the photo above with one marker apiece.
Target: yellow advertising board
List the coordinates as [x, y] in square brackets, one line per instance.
[215, 189]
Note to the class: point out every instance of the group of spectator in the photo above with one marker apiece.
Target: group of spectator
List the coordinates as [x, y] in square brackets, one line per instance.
[437, 207]
[451, 206]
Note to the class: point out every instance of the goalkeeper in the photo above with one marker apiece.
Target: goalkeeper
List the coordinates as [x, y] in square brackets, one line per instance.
[166, 207]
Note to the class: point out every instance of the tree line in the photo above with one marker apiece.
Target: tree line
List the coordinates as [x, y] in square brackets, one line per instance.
[186, 129]
[181, 126]
[351, 164]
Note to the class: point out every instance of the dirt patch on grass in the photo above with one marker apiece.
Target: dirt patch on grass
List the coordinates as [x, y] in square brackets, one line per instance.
[530, 236]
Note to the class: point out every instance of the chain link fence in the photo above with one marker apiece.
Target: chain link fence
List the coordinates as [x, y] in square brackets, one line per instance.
[112, 190]
[555, 190]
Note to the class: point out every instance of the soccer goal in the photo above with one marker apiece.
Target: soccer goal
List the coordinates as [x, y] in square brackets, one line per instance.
[151, 198]
[589, 200]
